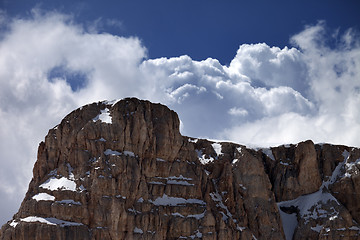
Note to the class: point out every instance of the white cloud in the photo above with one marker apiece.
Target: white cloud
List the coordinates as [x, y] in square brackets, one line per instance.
[238, 111]
[49, 65]
[271, 66]
[31, 103]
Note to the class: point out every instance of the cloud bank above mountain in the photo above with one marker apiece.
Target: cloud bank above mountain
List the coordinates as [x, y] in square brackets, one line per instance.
[50, 65]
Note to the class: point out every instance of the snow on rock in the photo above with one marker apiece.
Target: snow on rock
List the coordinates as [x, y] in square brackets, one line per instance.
[203, 159]
[129, 153]
[284, 163]
[70, 171]
[317, 228]
[351, 168]
[174, 182]
[53, 172]
[138, 230]
[239, 149]
[81, 188]
[310, 206]
[63, 183]
[120, 196]
[268, 152]
[13, 223]
[104, 116]
[181, 177]
[216, 197]
[337, 171]
[289, 222]
[197, 216]
[176, 214]
[50, 221]
[165, 200]
[69, 202]
[112, 102]
[112, 152]
[217, 148]
[193, 140]
[43, 197]
[116, 153]
[157, 183]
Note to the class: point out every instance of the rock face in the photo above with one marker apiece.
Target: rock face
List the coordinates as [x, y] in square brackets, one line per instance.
[122, 170]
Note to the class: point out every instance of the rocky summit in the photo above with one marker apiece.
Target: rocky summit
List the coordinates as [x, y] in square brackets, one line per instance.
[122, 170]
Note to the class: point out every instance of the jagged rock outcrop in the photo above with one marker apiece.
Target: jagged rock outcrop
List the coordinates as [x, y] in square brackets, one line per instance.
[122, 170]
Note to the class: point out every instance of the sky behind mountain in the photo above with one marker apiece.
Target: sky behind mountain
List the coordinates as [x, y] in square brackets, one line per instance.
[261, 73]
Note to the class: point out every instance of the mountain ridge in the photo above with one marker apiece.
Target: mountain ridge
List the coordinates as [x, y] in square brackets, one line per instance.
[122, 170]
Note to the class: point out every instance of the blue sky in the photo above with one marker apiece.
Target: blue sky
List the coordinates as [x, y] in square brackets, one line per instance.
[254, 72]
[201, 28]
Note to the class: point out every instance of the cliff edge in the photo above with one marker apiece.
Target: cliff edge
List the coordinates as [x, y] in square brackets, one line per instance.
[122, 170]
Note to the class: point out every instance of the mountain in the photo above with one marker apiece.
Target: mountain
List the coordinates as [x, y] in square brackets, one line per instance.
[122, 170]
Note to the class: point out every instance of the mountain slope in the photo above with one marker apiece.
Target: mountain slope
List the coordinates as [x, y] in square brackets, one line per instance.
[122, 170]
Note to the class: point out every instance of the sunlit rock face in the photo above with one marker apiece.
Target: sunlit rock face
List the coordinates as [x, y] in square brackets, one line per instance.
[122, 170]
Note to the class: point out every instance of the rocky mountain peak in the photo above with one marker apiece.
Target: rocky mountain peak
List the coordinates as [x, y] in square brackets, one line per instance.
[122, 170]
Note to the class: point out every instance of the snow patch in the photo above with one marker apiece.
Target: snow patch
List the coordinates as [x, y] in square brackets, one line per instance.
[43, 197]
[112, 102]
[157, 183]
[174, 182]
[284, 163]
[70, 171]
[181, 177]
[289, 222]
[217, 148]
[138, 230]
[354, 228]
[129, 153]
[351, 169]
[104, 116]
[119, 196]
[63, 183]
[177, 215]
[53, 172]
[82, 188]
[112, 152]
[216, 197]
[310, 205]
[50, 221]
[13, 223]
[240, 228]
[116, 153]
[337, 171]
[234, 161]
[175, 201]
[197, 216]
[203, 159]
[69, 202]
[268, 152]
[317, 228]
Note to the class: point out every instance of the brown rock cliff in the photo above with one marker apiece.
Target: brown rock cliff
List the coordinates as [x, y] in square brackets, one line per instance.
[122, 170]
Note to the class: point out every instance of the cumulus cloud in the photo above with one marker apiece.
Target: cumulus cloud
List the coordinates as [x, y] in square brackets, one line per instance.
[34, 98]
[50, 65]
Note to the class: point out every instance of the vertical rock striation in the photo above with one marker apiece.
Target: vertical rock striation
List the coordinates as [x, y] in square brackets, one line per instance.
[122, 170]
